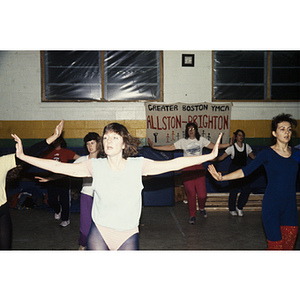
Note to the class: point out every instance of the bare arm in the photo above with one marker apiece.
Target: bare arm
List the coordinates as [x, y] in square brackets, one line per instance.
[76, 170]
[49, 178]
[162, 148]
[221, 157]
[159, 167]
[231, 176]
[251, 155]
[57, 132]
[222, 146]
[76, 156]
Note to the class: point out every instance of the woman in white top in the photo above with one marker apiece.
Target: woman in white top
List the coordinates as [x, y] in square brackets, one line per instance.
[239, 153]
[117, 184]
[193, 177]
[92, 142]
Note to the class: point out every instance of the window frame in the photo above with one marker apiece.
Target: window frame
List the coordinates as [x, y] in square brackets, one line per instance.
[268, 85]
[103, 84]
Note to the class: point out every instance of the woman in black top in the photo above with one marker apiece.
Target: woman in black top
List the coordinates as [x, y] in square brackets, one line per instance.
[239, 153]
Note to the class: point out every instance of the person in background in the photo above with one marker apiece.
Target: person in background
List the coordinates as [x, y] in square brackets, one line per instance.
[281, 162]
[193, 177]
[92, 142]
[117, 184]
[10, 167]
[238, 153]
[59, 190]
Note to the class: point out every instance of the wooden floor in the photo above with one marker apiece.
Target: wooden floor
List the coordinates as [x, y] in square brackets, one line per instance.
[219, 201]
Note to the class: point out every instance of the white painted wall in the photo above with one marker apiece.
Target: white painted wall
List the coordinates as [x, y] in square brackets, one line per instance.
[20, 92]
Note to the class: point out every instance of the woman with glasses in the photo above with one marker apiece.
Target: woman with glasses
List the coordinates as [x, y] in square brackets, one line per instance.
[193, 177]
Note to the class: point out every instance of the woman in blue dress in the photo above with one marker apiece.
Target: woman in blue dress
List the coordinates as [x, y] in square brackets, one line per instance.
[279, 207]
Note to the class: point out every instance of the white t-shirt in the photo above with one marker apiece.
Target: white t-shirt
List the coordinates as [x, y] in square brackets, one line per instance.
[7, 162]
[230, 149]
[192, 147]
[118, 194]
[86, 181]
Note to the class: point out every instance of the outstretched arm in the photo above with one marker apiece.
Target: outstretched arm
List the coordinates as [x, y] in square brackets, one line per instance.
[222, 146]
[159, 167]
[231, 176]
[221, 157]
[76, 170]
[162, 148]
[57, 132]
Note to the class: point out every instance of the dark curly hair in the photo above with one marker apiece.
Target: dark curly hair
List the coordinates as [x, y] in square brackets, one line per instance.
[131, 143]
[14, 173]
[282, 118]
[96, 137]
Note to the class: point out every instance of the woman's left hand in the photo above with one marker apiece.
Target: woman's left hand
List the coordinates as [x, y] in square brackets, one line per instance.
[215, 150]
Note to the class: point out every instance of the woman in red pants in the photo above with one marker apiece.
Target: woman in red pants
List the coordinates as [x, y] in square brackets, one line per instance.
[193, 177]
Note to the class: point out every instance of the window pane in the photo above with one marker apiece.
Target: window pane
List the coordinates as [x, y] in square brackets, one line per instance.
[72, 75]
[285, 58]
[240, 75]
[285, 92]
[239, 59]
[233, 92]
[285, 75]
[132, 75]
[244, 75]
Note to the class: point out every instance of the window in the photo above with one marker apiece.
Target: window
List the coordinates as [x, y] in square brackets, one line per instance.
[101, 76]
[256, 75]
[285, 76]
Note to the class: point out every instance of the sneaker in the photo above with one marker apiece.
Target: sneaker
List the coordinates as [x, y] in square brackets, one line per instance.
[82, 247]
[239, 212]
[233, 213]
[192, 220]
[57, 216]
[64, 223]
[203, 213]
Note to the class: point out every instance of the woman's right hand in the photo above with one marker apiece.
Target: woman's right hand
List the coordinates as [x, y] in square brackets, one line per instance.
[19, 146]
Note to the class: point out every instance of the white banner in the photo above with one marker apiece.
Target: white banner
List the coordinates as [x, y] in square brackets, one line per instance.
[166, 122]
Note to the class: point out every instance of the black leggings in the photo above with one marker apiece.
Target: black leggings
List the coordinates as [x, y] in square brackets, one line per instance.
[5, 228]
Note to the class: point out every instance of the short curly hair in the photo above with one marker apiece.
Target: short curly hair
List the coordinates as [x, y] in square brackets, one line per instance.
[283, 118]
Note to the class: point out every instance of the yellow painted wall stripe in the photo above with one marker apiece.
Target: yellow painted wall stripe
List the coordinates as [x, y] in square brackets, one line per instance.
[78, 129]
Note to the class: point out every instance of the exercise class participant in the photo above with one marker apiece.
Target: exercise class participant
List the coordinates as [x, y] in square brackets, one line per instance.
[238, 153]
[193, 177]
[281, 162]
[92, 144]
[10, 167]
[117, 184]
